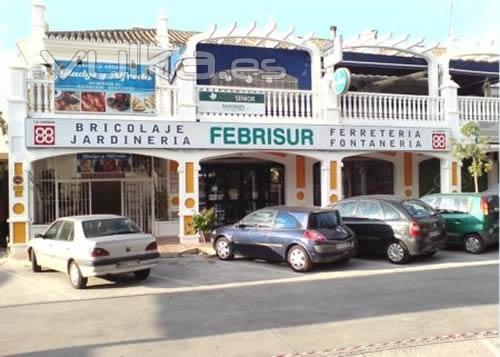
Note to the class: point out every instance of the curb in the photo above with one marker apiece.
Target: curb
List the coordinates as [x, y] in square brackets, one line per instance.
[187, 252]
[392, 345]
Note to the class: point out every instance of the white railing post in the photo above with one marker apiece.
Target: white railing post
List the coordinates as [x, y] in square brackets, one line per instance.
[449, 92]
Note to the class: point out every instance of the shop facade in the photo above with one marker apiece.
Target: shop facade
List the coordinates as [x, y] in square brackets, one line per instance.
[158, 141]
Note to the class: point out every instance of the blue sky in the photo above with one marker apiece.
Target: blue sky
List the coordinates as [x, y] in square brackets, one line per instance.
[429, 18]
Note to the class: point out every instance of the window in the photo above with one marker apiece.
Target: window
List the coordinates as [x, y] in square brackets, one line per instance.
[66, 231]
[464, 205]
[370, 210]
[285, 220]
[260, 218]
[449, 203]
[417, 209]
[109, 227]
[390, 212]
[432, 201]
[323, 220]
[51, 233]
[346, 209]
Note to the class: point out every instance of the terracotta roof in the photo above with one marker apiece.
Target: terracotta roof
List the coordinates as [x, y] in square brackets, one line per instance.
[136, 35]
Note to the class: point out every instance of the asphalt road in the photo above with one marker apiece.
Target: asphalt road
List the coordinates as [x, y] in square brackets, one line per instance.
[196, 306]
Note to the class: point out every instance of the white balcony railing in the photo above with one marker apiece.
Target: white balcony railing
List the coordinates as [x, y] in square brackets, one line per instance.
[381, 106]
[40, 95]
[479, 109]
[279, 103]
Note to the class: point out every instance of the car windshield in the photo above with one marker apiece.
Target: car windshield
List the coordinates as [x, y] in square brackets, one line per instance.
[109, 227]
[323, 220]
[417, 208]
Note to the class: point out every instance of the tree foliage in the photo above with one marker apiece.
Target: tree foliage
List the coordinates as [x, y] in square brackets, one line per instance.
[3, 125]
[473, 146]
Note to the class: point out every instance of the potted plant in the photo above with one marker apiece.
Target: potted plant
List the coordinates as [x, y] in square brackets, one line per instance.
[204, 223]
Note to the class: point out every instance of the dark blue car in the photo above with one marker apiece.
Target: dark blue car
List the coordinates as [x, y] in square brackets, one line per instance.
[300, 236]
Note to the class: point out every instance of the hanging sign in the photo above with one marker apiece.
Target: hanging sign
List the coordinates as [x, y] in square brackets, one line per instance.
[231, 103]
[341, 80]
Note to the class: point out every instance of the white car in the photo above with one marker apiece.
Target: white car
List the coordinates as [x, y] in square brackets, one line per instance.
[94, 245]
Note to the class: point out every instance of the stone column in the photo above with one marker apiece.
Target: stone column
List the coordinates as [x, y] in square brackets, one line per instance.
[19, 162]
[450, 175]
[331, 181]
[188, 198]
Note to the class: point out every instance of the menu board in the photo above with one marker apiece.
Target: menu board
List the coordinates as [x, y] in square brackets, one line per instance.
[104, 88]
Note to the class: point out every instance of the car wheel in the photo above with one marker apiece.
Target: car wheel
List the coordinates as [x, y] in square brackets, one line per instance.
[473, 244]
[75, 276]
[34, 264]
[299, 259]
[397, 253]
[142, 274]
[223, 249]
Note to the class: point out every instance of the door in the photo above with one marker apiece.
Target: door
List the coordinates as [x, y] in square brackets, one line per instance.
[106, 197]
[455, 216]
[61, 250]
[286, 228]
[44, 247]
[251, 237]
[372, 231]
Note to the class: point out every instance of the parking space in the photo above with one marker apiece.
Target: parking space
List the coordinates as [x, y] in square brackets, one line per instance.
[195, 273]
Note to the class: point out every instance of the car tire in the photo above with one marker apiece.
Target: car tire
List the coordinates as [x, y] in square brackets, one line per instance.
[34, 263]
[299, 259]
[473, 244]
[142, 274]
[224, 249]
[397, 253]
[75, 276]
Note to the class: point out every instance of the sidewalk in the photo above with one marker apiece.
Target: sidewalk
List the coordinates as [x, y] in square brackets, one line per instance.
[170, 247]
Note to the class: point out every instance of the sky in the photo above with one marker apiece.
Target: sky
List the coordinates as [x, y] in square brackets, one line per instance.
[473, 20]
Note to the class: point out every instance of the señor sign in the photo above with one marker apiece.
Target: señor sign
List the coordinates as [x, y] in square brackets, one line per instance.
[152, 134]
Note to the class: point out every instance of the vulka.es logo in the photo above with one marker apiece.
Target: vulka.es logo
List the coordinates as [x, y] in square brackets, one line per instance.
[201, 66]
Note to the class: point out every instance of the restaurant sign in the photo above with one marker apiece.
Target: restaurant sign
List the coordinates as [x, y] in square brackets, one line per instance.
[231, 103]
[104, 88]
[158, 134]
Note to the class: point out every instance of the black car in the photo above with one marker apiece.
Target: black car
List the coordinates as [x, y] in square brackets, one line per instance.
[396, 227]
[299, 235]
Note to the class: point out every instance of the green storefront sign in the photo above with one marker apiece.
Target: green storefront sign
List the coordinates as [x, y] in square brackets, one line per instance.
[231, 103]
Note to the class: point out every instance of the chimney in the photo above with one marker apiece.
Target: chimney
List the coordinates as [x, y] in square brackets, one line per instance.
[39, 28]
[162, 30]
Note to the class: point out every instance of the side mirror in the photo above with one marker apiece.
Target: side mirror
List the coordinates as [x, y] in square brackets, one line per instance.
[40, 235]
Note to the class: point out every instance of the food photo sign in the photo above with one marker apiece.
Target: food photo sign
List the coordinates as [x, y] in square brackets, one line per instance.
[104, 88]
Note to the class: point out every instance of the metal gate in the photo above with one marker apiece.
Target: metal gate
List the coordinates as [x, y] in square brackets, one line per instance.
[56, 198]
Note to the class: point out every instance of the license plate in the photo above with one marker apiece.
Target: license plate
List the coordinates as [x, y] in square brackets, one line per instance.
[127, 264]
[344, 245]
[433, 234]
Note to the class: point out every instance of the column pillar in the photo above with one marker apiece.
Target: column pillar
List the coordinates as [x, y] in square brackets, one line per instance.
[188, 197]
[493, 174]
[300, 178]
[331, 181]
[19, 163]
[451, 172]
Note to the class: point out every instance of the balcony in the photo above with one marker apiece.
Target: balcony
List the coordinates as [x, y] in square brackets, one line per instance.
[299, 106]
[277, 104]
[371, 107]
[40, 95]
[479, 109]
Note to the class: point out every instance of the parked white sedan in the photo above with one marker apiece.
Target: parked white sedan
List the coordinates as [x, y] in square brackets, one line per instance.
[94, 245]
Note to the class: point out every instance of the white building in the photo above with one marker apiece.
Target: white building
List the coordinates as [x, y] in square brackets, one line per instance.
[156, 124]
